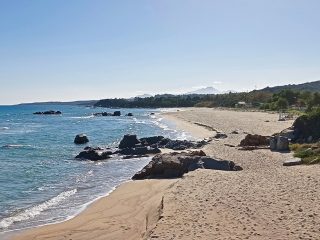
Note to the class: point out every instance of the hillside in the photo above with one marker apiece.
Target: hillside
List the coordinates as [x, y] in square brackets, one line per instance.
[309, 86]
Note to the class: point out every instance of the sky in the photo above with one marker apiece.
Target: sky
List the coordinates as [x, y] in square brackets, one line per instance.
[92, 49]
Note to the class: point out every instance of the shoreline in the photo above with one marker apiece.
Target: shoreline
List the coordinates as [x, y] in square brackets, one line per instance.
[31, 232]
[125, 196]
[256, 203]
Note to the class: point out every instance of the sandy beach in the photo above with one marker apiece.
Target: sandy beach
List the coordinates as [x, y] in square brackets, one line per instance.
[264, 201]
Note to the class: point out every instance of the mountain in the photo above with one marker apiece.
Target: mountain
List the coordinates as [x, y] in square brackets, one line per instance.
[144, 96]
[309, 86]
[206, 90]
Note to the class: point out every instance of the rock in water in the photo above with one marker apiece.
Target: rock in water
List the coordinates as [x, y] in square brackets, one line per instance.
[50, 112]
[117, 113]
[128, 141]
[81, 139]
[151, 140]
[172, 165]
[94, 154]
[137, 151]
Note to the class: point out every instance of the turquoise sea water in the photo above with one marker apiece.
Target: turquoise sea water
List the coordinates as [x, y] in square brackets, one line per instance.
[41, 182]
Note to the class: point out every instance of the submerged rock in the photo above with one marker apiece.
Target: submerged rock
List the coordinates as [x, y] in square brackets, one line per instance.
[172, 165]
[81, 139]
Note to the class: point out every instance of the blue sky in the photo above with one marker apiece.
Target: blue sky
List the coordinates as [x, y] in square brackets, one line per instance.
[76, 49]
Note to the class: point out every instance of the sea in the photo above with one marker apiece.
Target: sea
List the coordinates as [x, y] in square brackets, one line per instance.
[41, 182]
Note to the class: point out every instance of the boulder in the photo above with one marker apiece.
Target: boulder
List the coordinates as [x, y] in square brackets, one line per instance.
[254, 140]
[129, 114]
[273, 143]
[172, 165]
[220, 135]
[94, 154]
[148, 141]
[128, 141]
[138, 151]
[288, 133]
[104, 114]
[282, 143]
[81, 139]
[181, 144]
[117, 113]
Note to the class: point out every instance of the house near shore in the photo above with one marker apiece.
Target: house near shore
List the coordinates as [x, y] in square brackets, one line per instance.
[242, 105]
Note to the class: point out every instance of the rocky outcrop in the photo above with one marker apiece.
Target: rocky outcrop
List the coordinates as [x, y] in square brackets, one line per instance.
[106, 114]
[279, 143]
[129, 141]
[117, 113]
[148, 141]
[172, 165]
[130, 146]
[94, 154]
[254, 140]
[138, 151]
[50, 112]
[81, 139]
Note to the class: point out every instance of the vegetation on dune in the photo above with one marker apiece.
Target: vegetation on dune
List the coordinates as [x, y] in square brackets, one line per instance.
[309, 153]
[255, 98]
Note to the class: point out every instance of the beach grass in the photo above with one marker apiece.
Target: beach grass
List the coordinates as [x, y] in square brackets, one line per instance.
[309, 153]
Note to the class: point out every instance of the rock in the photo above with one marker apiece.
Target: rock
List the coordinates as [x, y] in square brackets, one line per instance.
[282, 143]
[94, 155]
[129, 115]
[172, 165]
[309, 139]
[104, 114]
[292, 162]
[255, 140]
[50, 112]
[181, 144]
[148, 141]
[138, 151]
[152, 113]
[235, 132]
[81, 139]
[220, 135]
[273, 143]
[117, 113]
[128, 141]
[288, 133]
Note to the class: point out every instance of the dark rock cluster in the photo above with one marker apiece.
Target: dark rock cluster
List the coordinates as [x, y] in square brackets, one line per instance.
[50, 112]
[105, 114]
[130, 146]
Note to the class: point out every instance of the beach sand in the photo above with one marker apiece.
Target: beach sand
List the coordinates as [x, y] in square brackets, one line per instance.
[264, 201]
